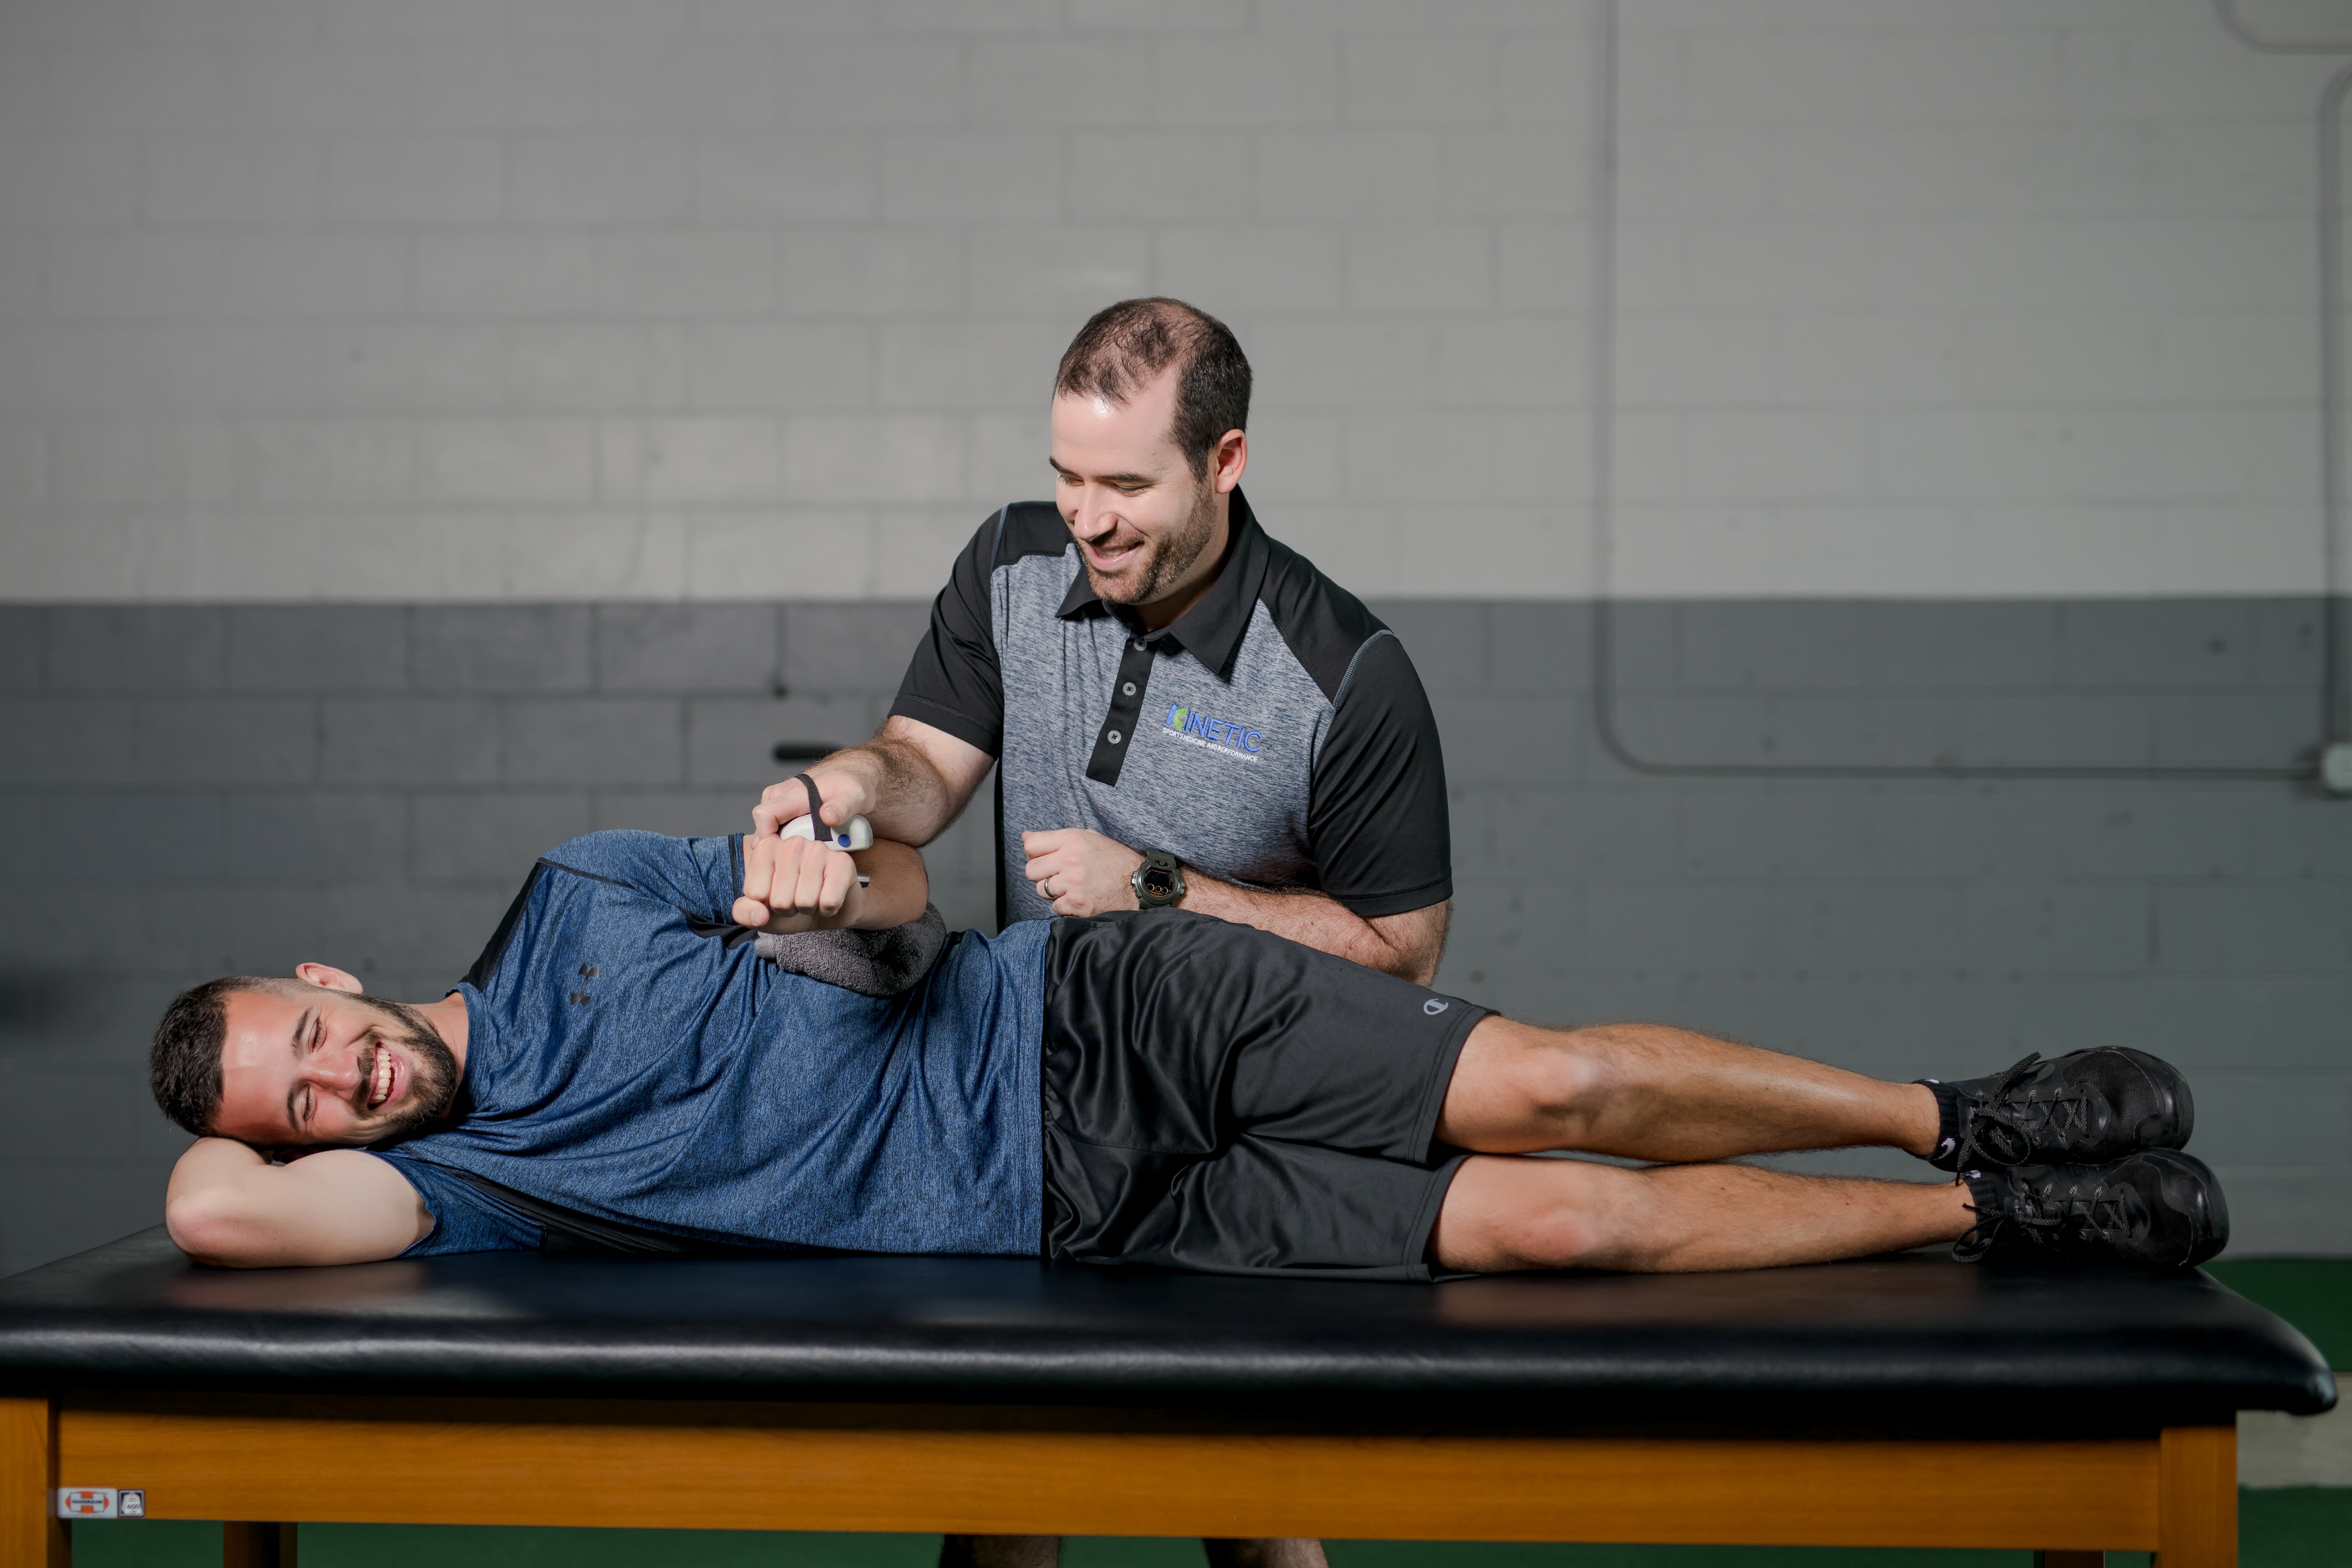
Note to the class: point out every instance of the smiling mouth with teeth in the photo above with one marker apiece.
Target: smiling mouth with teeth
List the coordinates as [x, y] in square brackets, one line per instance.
[380, 1089]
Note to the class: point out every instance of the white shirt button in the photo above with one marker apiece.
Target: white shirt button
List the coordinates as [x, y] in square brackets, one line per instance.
[1112, 737]
[1128, 690]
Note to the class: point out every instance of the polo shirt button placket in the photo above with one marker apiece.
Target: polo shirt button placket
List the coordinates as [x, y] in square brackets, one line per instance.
[1126, 703]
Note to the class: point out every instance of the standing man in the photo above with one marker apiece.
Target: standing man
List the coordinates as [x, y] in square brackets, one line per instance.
[1182, 711]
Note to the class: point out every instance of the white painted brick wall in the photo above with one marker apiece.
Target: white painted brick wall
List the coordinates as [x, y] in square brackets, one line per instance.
[478, 298]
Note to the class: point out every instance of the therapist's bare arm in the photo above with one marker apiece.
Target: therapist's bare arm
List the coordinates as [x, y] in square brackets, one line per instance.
[1080, 871]
[230, 1206]
[1407, 946]
[909, 781]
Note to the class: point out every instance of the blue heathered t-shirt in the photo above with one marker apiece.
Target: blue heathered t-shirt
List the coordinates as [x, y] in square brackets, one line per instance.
[630, 1058]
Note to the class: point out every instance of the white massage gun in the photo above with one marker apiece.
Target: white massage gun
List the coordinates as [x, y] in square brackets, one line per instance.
[856, 833]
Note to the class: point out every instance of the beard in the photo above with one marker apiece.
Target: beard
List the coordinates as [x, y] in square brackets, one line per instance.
[1165, 558]
[433, 1079]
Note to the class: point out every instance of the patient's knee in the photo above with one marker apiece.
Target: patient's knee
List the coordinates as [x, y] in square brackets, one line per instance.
[1514, 1212]
[1556, 1075]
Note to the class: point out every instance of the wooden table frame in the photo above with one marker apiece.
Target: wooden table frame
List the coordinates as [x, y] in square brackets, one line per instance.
[1007, 1471]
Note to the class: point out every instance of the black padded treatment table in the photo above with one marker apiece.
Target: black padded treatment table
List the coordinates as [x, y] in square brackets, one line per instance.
[1898, 1401]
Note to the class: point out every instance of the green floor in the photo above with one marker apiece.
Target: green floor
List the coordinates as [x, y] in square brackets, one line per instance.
[2300, 1528]
[2314, 1294]
[2305, 1527]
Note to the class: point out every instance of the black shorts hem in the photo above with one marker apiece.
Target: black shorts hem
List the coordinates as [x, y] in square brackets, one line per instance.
[1423, 1232]
[1442, 1064]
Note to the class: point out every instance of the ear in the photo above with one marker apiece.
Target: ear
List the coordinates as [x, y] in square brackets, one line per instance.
[1227, 458]
[327, 975]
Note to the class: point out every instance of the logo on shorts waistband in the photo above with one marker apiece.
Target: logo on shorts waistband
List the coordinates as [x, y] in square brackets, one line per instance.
[1191, 725]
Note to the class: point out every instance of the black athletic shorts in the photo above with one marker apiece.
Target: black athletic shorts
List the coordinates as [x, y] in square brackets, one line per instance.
[1223, 1100]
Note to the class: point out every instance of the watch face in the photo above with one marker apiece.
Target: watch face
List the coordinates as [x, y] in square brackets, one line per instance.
[1160, 883]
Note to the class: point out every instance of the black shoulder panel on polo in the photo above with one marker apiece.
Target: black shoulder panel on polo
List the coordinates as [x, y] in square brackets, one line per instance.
[952, 682]
[1378, 819]
[1028, 527]
[1378, 814]
[1323, 624]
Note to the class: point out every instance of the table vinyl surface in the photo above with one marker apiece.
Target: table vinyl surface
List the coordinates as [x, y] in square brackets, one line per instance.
[1912, 1339]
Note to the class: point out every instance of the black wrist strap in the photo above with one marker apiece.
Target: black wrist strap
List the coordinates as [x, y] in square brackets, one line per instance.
[816, 823]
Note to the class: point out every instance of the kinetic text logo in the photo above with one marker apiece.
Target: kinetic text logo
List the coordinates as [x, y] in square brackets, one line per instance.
[1194, 727]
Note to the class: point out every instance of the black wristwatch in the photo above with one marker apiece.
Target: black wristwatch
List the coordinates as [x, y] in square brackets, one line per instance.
[1159, 882]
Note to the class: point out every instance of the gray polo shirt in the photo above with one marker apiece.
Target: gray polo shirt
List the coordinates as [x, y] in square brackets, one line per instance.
[1274, 734]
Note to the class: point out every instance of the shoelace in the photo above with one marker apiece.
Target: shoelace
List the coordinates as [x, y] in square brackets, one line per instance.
[2002, 1135]
[2074, 1218]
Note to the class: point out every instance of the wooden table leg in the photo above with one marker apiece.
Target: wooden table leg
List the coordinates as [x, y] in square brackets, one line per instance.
[31, 1533]
[2070, 1560]
[248, 1544]
[2197, 1497]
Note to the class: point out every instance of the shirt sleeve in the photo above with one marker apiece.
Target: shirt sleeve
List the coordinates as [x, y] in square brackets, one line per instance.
[465, 1217]
[700, 876]
[1377, 823]
[954, 682]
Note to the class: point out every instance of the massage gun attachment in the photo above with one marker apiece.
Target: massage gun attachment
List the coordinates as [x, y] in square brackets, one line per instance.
[856, 833]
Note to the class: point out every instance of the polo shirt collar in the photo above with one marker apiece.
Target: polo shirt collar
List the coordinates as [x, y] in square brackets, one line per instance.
[1212, 629]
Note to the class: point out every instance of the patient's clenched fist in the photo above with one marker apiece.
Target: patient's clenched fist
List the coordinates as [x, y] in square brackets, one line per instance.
[791, 884]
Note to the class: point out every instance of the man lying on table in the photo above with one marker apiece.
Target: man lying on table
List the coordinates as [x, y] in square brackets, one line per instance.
[1152, 1087]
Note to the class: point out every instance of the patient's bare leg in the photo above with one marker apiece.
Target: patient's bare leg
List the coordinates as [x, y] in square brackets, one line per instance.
[1504, 1212]
[1654, 1092]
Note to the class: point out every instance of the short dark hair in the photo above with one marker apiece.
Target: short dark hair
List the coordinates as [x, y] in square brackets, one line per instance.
[184, 1065]
[1124, 346]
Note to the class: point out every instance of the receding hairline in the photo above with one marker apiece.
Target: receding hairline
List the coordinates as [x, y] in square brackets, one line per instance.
[1117, 364]
[1129, 345]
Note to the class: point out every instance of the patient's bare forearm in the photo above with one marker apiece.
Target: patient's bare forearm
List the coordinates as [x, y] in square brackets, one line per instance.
[899, 889]
[230, 1206]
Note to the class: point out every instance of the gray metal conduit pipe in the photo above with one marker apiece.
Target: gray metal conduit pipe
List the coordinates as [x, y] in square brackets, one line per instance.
[2336, 757]
[2334, 763]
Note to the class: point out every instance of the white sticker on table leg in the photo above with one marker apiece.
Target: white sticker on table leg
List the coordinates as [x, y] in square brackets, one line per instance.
[88, 1502]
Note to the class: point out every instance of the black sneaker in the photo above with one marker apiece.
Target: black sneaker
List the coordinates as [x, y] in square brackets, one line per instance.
[2086, 1107]
[2156, 1208]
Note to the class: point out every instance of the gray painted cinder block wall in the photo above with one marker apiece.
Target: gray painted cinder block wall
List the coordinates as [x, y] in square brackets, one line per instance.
[185, 790]
[410, 300]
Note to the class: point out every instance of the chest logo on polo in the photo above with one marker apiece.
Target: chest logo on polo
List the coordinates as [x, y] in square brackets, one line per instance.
[1194, 727]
